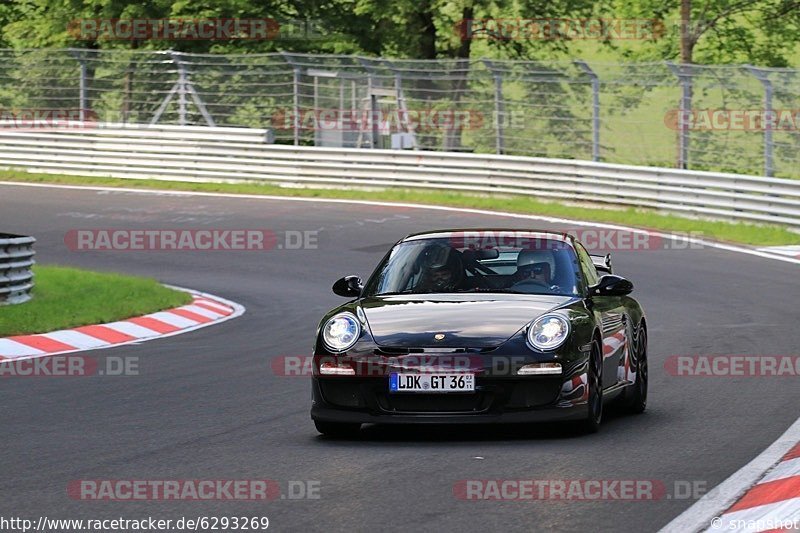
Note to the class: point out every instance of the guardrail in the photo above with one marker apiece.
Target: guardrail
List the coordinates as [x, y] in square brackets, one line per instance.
[222, 154]
[16, 260]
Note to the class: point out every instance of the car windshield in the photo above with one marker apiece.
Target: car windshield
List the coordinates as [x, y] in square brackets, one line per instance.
[441, 265]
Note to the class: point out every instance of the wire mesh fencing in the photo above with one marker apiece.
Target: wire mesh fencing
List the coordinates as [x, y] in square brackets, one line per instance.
[733, 118]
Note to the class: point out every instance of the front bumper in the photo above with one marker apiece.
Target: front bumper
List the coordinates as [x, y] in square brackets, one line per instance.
[358, 399]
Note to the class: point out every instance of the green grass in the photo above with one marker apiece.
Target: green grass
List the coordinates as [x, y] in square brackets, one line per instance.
[69, 297]
[742, 233]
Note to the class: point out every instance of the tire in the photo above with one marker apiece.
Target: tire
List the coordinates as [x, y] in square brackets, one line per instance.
[635, 401]
[338, 430]
[594, 382]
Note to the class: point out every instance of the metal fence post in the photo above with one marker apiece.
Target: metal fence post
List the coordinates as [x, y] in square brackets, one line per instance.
[370, 107]
[685, 108]
[340, 118]
[316, 110]
[82, 91]
[499, 108]
[181, 88]
[373, 112]
[185, 86]
[402, 115]
[296, 73]
[82, 83]
[768, 146]
[768, 118]
[499, 114]
[595, 108]
[296, 105]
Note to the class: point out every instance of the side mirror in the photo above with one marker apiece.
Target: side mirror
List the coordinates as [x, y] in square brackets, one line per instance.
[611, 285]
[602, 263]
[348, 286]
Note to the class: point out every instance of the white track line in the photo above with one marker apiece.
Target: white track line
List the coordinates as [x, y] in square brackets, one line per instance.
[554, 220]
[790, 251]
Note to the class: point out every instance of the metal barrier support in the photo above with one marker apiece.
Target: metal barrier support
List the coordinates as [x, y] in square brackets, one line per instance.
[16, 260]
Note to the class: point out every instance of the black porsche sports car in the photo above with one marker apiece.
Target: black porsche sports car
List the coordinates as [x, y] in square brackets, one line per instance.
[480, 326]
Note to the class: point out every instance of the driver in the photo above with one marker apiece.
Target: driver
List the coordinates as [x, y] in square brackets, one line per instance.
[533, 265]
[443, 269]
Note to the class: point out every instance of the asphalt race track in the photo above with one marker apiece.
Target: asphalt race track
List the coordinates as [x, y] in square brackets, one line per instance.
[207, 405]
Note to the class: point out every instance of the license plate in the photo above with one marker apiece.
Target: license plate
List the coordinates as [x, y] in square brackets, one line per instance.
[431, 383]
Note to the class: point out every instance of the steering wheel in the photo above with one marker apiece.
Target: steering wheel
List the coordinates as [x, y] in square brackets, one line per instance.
[529, 283]
[534, 283]
[480, 277]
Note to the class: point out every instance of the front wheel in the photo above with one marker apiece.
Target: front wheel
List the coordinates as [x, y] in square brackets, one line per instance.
[339, 430]
[594, 382]
[636, 394]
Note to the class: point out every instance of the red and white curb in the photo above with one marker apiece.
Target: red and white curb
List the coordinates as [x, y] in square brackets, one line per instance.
[772, 503]
[764, 495]
[205, 310]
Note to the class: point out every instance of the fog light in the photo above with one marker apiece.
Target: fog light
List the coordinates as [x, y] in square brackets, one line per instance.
[539, 369]
[333, 369]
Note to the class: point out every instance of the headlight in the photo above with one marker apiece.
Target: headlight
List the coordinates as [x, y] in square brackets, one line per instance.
[341, 332]
[548, 332]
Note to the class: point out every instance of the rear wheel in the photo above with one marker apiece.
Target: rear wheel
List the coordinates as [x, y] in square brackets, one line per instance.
[594, 382]
[636, 394]
[337, 429]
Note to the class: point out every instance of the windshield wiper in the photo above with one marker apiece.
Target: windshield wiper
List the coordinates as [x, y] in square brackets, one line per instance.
[395, 293]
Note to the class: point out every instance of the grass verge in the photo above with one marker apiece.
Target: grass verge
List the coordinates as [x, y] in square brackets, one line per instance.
[70, 297]
[741, 233]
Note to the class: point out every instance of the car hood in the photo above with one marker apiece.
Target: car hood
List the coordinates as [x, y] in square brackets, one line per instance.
[466, 320]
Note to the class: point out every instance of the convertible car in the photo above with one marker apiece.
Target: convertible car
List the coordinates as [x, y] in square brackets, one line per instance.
[480, 326]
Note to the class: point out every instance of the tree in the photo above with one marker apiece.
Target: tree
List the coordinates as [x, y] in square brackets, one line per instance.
[762, 32]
